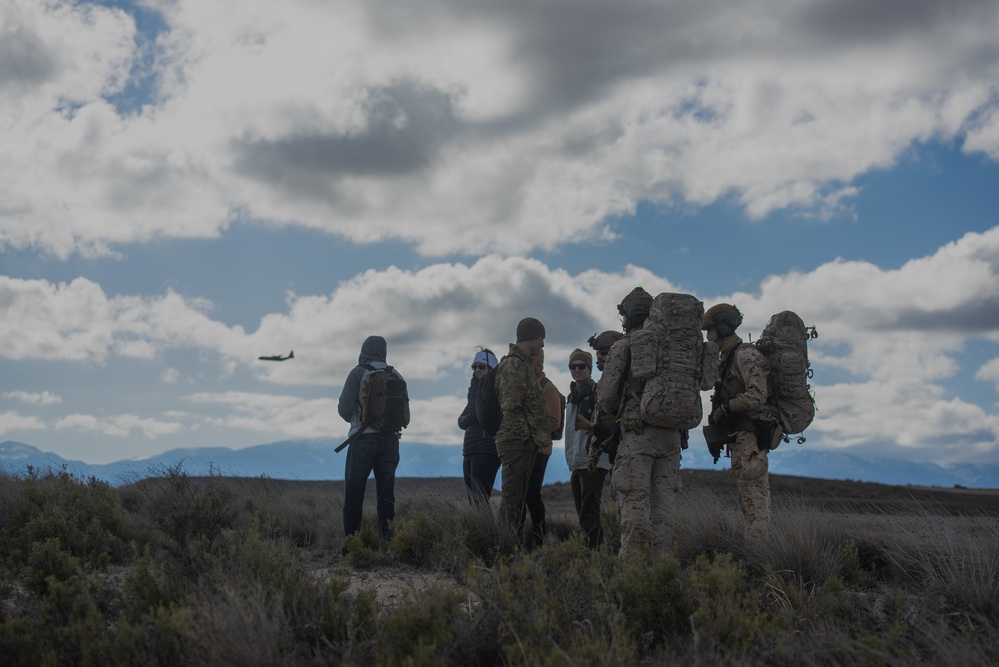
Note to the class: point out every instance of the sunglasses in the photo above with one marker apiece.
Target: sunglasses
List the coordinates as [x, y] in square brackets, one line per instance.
[578, 367]
[479, 367]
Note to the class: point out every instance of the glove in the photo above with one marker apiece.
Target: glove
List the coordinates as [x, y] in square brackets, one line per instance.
[720, 413]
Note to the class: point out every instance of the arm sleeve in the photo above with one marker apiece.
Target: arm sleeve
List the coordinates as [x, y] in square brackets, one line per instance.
[348, 395]
[610, 387]
[468, 416]
[510, 388]
[755, 371]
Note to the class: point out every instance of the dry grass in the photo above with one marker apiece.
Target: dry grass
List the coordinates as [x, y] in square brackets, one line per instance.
[179, 570]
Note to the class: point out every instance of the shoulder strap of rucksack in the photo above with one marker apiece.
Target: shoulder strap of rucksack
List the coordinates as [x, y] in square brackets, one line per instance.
[729, 359]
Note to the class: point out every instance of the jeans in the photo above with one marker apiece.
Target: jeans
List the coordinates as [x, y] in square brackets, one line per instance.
[480, 475]
[371, 452]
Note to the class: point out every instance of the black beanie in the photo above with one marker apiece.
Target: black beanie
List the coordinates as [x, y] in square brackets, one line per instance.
[529, 329]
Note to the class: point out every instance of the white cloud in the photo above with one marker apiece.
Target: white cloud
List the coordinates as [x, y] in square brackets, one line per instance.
[466, 122]
[990, 373]
[120, 426]
[30, 398]
[170, 376]
[42, 320]
[11, 421]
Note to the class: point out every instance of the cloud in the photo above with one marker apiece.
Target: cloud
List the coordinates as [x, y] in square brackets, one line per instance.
[44, 398]
[120, 426]
[42, 320]
[989, 373]
[11, 422]
[469, 125]
[170, 376]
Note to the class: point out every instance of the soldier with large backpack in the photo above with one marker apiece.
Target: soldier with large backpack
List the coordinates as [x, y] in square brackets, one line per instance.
[647, 465]
[743, 407]
[375, 401]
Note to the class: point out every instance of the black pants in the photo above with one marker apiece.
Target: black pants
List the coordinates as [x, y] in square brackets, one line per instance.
[376, 453]
[533, 503]
[480, 475]
[587, 493]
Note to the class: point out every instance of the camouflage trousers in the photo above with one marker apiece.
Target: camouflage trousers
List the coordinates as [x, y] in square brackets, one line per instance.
[750, 467]
[517, 462]
[647, 479]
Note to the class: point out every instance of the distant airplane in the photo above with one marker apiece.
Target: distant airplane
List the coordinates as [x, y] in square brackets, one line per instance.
[278, 357]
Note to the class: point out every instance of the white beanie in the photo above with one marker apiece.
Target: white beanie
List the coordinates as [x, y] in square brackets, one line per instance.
[485, 357]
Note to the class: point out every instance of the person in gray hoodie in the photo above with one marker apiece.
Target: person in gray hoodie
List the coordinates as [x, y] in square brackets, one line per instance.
[372, 450]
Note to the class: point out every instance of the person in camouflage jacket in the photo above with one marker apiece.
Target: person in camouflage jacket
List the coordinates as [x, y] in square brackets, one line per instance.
[646, 471]
[744, 374]
[525, 429]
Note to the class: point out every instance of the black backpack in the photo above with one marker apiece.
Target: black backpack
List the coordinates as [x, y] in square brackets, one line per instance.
[487, 406]
[383, 403]
[383, 400]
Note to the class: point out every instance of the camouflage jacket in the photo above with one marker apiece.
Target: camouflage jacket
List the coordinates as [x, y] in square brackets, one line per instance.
[525, 415]
[745, 385]
[616, 387]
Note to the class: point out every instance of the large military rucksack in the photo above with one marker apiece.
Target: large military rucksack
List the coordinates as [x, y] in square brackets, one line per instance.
[670, 357]
[784, 343]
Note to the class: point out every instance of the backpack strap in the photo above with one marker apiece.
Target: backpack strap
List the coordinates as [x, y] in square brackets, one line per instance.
[729, 359]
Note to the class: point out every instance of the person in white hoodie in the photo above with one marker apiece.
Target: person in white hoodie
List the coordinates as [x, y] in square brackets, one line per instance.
[587, 486]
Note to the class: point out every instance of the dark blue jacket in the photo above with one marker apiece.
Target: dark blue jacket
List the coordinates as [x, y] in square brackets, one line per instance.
[477, 441]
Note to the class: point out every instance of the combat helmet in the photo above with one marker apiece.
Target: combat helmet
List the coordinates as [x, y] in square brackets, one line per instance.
[603, 341]
[723, 318]
[635, 307]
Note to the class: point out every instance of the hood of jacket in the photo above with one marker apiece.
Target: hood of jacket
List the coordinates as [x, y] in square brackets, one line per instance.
[374, 348]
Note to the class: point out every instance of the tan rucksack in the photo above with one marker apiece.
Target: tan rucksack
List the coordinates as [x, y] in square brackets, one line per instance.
[670, 356]
[784, 342]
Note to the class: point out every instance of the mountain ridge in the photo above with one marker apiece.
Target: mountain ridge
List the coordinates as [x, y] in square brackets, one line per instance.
[314, 459]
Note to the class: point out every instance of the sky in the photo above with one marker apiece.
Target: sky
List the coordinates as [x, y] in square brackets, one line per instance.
[186, 186]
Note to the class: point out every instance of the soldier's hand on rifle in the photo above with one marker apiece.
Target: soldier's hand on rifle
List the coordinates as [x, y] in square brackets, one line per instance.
[720, 413]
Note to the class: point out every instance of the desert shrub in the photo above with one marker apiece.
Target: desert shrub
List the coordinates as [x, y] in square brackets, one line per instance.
[67, 628]
[84, 515]
[422, 630]
[49, 562]
[549, 606]
[364, 549]
[655, 599]
[728, 617]
[449, 533]
[183, 509]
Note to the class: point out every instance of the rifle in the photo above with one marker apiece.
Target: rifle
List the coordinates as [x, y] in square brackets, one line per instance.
[602, 439]
[353, 435]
